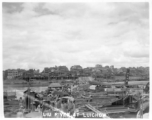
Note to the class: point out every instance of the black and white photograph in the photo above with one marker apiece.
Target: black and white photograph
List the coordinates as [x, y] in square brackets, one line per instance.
[76, 59]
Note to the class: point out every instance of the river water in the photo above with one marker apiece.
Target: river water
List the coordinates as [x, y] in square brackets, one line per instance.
[19, 90]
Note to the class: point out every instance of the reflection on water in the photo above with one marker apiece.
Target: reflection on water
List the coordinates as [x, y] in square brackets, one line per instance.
[19, 90]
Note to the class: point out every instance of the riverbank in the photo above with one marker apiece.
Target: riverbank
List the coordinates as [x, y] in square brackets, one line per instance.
[23, 83]
[33, 83]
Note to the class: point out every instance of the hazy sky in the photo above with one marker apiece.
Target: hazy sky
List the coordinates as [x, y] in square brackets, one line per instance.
[38, 35]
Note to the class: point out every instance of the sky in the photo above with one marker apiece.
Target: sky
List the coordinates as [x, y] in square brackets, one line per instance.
[38, 35]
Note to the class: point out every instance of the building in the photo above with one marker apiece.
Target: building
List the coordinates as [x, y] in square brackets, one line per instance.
[49, 70]
[11, 74]
[46, 70]
[5, 75]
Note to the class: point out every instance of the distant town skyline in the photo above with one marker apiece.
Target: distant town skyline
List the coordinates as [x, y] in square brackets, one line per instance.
[39, 35]
[110, 66]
